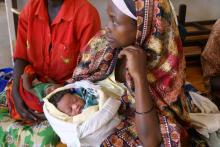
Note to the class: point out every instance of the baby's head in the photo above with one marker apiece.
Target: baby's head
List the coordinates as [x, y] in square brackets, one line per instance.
[51, 88]
[67, 102]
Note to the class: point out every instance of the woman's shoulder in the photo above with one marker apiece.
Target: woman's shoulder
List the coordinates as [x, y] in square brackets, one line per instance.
[96, 45]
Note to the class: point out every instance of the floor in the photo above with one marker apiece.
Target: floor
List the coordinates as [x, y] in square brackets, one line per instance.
[194, 76]
[5, 55]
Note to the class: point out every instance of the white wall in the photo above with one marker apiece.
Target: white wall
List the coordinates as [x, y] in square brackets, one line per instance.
[199, 9]
[21, 3]
[101, 7]
[196, 9]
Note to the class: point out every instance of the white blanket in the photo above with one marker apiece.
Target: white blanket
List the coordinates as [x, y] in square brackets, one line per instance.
[207, 122]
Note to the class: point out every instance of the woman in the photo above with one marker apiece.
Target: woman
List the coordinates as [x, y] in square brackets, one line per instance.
[141, 52]
[211, 63]
[51, 33]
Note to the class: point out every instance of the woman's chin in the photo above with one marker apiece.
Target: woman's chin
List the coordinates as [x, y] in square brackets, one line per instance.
[113, 45]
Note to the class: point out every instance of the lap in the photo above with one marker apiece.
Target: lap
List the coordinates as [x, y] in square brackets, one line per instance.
[14, 133]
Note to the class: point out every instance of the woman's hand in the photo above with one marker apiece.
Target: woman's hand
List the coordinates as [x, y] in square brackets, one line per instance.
[136, 61]
[22, 109]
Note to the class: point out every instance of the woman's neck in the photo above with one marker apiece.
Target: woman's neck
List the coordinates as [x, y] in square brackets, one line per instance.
[120, 70]
[54, 3]
[53, 7]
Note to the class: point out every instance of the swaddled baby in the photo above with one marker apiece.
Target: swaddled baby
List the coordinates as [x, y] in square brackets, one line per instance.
[82, 114]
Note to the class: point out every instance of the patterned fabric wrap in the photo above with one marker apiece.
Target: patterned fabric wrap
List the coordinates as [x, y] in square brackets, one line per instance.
[158, 34]
[97, 61]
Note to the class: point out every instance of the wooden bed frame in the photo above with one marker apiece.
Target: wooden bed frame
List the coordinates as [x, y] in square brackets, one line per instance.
[197, 34]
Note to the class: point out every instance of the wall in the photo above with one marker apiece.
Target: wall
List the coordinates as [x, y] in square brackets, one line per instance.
[199, 9]
[101, 6]
[196, 9]
[21, 3]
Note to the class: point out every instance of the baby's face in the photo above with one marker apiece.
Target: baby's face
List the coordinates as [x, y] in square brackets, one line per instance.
[70, 104]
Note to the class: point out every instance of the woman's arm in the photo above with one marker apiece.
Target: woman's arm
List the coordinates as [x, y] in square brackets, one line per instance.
[19, 103]
[146, 117]
[27, 84]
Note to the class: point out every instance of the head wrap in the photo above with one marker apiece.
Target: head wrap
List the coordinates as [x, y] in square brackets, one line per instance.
[157, 33]
[125, 7]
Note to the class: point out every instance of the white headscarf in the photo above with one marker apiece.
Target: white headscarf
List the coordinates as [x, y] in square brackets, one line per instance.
[120, 4]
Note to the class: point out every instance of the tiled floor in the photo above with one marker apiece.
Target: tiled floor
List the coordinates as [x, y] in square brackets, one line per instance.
[5, 55]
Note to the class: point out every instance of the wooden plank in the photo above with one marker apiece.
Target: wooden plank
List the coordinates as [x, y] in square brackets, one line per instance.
[199, 26]
[191, 29]
[199, 37]
[206, 22]
[209, 26]
[200, 40]
[195, 43]
[192, 50]
[196, 33]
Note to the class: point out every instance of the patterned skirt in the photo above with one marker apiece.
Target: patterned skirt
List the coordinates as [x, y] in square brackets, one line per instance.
[16, 134]
[125, 134]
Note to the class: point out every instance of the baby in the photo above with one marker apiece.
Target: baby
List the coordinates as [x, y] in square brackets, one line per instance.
[82, 113]
[72, 102]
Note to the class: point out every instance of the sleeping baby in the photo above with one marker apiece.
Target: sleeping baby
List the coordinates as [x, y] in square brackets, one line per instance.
[82, 113]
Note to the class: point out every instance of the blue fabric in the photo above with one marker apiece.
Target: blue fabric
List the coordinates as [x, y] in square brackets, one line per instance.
[87, 95]
[5, 76]
[189, 88]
